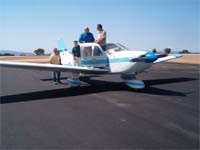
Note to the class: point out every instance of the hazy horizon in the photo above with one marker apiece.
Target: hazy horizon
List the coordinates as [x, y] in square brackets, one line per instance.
[26, 25]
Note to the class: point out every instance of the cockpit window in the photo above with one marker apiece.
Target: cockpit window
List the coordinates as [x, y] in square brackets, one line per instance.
[87, 51]
[97, 51]
[122, 46]
[91, 51]
[110, 46]
[115, 47]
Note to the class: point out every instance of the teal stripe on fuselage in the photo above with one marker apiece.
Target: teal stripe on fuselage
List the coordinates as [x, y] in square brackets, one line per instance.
[88, 62]
[119, 60]
[105, 61]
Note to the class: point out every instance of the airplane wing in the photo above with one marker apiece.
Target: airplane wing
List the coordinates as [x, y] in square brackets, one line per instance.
[52, 67]
[167, 57]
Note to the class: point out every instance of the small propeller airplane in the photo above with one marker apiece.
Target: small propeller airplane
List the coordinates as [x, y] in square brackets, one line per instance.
[117, 59]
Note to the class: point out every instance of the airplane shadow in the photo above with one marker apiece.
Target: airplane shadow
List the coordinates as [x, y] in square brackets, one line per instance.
[96, 86]
[50, 79]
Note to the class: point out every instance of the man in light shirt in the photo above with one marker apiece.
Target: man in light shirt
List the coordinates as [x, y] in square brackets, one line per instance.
[101, 37]
[55, 59]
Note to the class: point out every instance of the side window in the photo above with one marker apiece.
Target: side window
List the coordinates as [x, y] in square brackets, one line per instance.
[97, 51]
[87, 51]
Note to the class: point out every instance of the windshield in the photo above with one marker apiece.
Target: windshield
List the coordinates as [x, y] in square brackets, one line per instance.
[115, 47]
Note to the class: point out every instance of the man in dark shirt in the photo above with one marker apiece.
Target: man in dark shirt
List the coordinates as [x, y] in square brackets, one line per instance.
[76, 54]
[86, 36]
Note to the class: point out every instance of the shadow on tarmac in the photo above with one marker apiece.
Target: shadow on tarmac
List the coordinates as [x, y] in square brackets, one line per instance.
[96, 86]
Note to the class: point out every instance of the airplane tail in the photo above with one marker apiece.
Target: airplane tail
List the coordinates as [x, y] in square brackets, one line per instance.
[61, 45]
[66, 58]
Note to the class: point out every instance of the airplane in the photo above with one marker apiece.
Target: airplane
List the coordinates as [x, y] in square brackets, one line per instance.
[117, 59]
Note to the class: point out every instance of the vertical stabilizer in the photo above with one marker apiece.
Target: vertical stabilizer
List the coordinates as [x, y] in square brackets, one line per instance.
[61, 45]
[66, 57]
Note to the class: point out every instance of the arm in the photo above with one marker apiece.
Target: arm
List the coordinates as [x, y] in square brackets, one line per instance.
[102, 37]
[50, 61]
[92, 38]
[60, 61]
[73, 53]
[81, 38]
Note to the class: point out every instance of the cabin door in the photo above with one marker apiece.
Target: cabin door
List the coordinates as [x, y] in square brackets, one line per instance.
[94, 56]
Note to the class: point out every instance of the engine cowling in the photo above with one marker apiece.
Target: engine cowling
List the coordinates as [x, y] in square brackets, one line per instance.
[150, 57]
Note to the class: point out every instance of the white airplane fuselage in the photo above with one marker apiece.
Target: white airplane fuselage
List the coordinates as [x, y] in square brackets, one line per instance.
[114, 61]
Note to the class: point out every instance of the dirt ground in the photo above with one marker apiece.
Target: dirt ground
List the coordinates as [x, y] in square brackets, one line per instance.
[39, 59]
[187, 58]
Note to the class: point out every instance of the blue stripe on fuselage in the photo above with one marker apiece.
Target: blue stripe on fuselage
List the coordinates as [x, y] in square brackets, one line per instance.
[105, 61]
[88, 62]
[119, 60]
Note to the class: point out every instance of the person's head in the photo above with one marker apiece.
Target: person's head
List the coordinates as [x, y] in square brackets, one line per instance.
[55, 51]
[99, 27]
[86, 29]
[75, 43]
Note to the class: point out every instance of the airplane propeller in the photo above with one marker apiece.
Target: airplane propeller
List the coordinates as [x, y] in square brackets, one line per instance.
[149, 57]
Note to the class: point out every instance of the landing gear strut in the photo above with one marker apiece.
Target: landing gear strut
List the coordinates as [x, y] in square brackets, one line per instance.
[73, 80]
[132, 82]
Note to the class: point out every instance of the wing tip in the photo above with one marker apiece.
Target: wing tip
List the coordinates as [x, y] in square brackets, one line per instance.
[178, 55]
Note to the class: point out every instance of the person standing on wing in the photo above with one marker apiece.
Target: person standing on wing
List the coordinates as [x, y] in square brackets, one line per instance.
[86, 36]
[101, 37]
[55, 59]
[76, 53]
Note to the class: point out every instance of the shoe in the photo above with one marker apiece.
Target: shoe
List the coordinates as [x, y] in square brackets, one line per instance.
[59, 82]
[55, 83]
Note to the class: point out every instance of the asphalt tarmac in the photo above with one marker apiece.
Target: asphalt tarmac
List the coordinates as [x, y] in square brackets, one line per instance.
[103, 113]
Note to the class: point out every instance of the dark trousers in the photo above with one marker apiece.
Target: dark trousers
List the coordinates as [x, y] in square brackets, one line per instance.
[56, 76]
[103, 47]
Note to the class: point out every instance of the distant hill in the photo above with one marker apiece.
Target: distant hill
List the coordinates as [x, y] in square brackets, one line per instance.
[16, 53]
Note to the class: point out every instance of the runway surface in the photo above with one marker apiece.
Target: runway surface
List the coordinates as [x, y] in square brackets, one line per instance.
[103, 113]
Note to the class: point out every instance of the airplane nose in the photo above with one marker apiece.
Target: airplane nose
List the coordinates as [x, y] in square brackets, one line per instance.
[151, 57]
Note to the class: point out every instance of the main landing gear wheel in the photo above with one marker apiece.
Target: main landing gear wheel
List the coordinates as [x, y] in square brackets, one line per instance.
[73, 82]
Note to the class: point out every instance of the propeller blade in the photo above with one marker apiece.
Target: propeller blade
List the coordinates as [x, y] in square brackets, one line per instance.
[162, 55]
[149, 57]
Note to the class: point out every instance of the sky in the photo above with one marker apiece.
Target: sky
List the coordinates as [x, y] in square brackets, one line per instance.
[26, 25]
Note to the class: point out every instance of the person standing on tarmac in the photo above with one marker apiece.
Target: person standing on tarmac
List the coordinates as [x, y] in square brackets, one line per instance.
[55, 59]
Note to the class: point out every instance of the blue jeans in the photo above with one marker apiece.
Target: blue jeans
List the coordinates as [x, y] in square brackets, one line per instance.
[56, 76]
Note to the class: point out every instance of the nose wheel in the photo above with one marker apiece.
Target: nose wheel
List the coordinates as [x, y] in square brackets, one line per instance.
[132, 82]
[135, 84]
